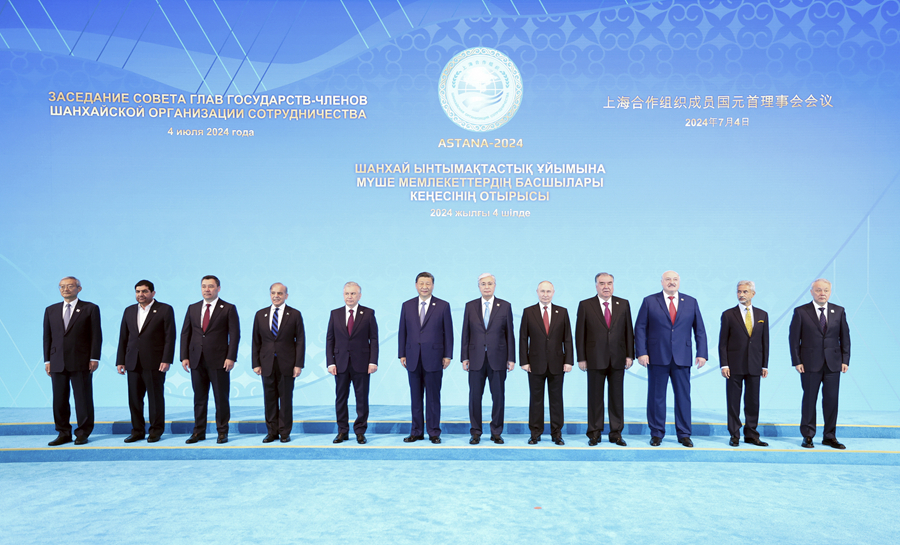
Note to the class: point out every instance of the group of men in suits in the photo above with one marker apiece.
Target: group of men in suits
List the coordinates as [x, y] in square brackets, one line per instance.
[606, 343]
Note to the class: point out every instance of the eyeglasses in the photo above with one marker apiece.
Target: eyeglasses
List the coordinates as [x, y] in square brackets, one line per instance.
[67, 287]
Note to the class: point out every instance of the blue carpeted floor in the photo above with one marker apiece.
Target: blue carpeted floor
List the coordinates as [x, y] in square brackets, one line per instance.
[422, 502]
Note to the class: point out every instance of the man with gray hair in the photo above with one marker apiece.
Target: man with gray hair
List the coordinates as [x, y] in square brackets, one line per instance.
[278, 354]
[819, 338]
[743, 358]
[351, 355]
[72, 341]
[488, 354]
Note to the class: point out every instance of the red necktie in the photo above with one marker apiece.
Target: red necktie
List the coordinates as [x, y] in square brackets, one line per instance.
[350, 323]
[206, 318]
[672, 309]
[607, 315]
[546, 321]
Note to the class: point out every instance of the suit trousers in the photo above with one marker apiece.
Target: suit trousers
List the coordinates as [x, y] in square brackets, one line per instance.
[83, 391]
[497, 383]
[150, 381]
[595, 383]
[536, 403]
[830, 381]
[202, 377]
[360, 383]
[425, 394]
[657, 385]
[278, 401]
[750, 386]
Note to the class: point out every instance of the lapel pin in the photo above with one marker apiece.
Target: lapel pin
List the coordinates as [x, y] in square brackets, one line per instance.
[79, 310]
[360, 313]
[832, 311]
[682, 298]
[265, 315]
[434, 304]
[154, 312]
[761, 321]
[555, 312]
[617, 302]
[221, 306]
[287, 313]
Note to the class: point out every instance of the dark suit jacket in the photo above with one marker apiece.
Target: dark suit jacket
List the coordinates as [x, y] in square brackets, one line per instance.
[655, 336]
[813, 349]
[433, 340]
[542, 351]
[600, 346]
[744, 354]
[72, 348]
[497, 341]
[356, 350]
[154, 344]
[290, 345]
[219, 343]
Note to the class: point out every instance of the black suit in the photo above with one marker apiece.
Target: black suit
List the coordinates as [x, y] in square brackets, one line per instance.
[207, 352]
[488, 349]
[604, 349]
[276, 357]
[351, 353]
[141, 352]
[69, 351]
[545, 353]
[822, 355]
[745, 355]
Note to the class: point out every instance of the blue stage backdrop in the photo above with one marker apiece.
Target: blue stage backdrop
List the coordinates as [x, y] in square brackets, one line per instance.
[317, 142]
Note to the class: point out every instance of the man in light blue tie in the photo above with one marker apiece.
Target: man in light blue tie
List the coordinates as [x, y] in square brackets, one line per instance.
[488, 354]
[425, 348]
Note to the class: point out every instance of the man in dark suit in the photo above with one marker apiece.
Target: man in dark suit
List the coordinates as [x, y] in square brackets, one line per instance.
[72, 341]
[545, 353]
[277, 355]
[662, 338]
[743, 357]
[819, 338]
[209, 348]
[146, 350]
[351, 355]
[604, 340]
[488, 353]
[425, 341]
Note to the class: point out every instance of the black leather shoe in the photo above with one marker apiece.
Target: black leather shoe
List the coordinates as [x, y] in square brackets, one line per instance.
[756, 442]
[733, 442]
[807, 442]
[285, 438]
[833, 443]
[340, 438]
[133, 437]
[436, 440]
[686, 441]
[83, 440]
[497, 439]
[269, 438]
[558, 441]
[593, 441]
[619, 441]
[533, 440]
[194, 438]
[413, 438]
[361, 438]
[475, 440]
[655, 441]
[153, 438]
[60, 440]
[223, 438]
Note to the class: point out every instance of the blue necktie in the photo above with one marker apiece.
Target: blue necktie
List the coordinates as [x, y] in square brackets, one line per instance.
[422, 314]
[487, 313]
[823, 324]
[275, 323]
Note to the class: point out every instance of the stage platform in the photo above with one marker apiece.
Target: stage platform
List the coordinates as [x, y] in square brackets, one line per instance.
[871, 439]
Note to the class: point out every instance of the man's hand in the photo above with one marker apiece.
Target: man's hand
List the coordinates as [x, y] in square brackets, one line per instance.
[332, 369]
[566, 368]
[726, 372]
[163, 367]
[527, 367]
[372, 368]
[799, 368]
[229, 365]
[258, 370]
[582, 365]
[844, 367]
[47, 368]
[510, 365]
[93, 365]
[700, 362]
[466, 365]
[120, 369]
[644, 360]
[297, 371]
[403, 362]
[765, 372]
[446, 362]
[628, 363]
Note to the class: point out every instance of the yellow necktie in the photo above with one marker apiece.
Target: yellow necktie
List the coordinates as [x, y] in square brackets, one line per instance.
[748, 322]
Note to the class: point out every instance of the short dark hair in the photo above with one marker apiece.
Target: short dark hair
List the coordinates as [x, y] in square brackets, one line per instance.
[425, 275]
[147, 283]
[603, 274]
[211, 277]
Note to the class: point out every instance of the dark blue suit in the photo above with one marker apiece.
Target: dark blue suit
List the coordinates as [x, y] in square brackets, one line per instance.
[669, 347]
[424, 347]
[487, 348]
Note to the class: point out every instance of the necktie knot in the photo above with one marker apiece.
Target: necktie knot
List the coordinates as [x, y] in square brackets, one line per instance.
[672, 311]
